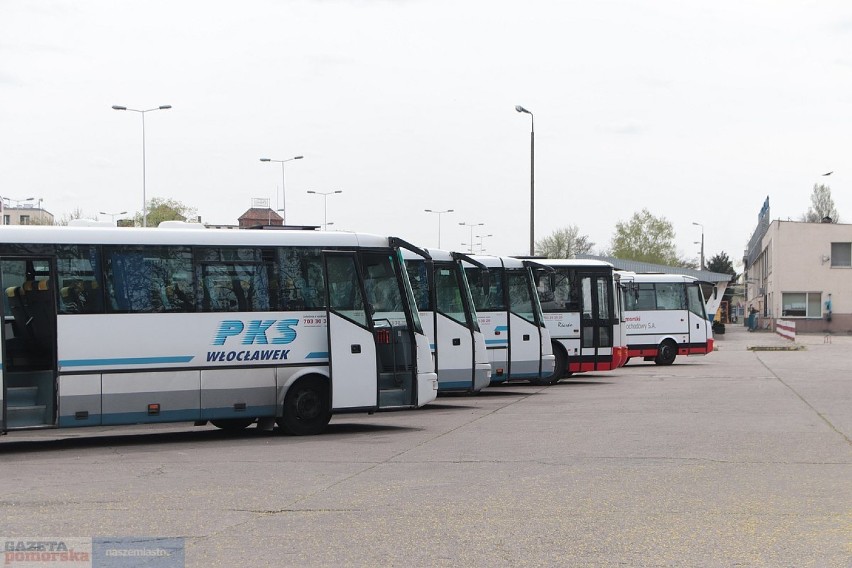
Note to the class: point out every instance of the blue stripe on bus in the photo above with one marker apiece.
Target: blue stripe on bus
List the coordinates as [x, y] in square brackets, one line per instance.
[126, 361]
[501, 328]
[496, 342]
[317, 355]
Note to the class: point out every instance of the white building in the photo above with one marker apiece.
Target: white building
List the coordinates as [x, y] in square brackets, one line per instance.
[26, 214]
[800, 271]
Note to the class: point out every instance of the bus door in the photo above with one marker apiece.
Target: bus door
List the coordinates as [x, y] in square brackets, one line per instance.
[371, 347]
[28, 372]
[597, 321]
[454, 329]
[486, 288]
[525, 329]
[699, 337]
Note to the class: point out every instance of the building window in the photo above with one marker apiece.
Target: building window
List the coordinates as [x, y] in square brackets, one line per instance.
[25, 219]
[801, 304]
[841, 254]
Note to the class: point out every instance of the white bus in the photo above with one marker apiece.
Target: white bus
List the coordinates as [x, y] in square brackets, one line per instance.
[664, 317]
[510, 317]
[123, 326]
[449, 320]
[581, 301]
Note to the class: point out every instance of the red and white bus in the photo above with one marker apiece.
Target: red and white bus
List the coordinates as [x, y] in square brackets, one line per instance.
[664, 316]
[582, 311]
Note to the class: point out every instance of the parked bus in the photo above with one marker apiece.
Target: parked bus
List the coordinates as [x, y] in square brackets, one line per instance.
[449, 320]
[510, 317]
[123, 326]
[664, 316]
[582, 309]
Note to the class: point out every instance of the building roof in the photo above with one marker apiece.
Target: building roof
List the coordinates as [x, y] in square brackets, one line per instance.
[647, 267]
[261, 214]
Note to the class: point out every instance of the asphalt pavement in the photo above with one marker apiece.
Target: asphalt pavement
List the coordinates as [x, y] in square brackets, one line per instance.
[739, 458]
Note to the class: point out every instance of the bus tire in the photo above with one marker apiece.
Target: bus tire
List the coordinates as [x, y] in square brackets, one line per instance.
[307, 410]
[560, 366]
[233, 424]
[666, 353]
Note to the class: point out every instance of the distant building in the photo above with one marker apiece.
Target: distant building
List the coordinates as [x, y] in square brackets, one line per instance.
[260, 216]
[26, 215]
[800, 271]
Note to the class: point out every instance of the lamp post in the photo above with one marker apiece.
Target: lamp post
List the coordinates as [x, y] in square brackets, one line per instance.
[439, 213]
[283, 194]
[325, 195]
[701, 266]
[471, 225]
[144, 189]
[113, 215]
[519, 108]
[481, 242]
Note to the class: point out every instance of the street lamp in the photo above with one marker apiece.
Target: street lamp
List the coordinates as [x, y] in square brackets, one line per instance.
[481, 242]
[519, 108]
[144, 189]
[471, 225]
[283, 194]
[325, 195]
[113, 215]
[439, 221]
[702, 244]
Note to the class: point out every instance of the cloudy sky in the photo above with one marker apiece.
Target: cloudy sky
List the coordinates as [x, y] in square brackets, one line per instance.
[695, 111]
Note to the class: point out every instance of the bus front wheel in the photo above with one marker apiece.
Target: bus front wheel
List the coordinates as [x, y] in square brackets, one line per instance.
[561, 366]
[666, 353]
[306, 408]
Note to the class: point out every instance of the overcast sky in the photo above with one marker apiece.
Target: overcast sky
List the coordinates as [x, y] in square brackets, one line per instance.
[695, 111]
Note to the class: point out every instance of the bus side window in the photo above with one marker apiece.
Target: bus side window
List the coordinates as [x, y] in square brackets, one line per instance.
[80, 279]
[302, 285]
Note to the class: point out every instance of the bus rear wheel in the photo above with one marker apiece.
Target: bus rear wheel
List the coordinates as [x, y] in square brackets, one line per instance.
[233, 424]
[306, 408]
[666, 353]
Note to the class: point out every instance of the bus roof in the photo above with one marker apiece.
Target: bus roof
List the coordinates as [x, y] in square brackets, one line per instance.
[632, 276]
[436, 254]
[498, 261]
[573, 263]
[40, 234]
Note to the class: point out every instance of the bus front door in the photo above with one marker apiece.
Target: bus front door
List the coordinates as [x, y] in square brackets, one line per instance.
[28, 372]
[700, 331]
[352, 353]
[596, 333]
[372, 350]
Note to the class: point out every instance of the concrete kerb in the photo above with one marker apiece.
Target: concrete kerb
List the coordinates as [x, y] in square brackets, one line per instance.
[739, 338]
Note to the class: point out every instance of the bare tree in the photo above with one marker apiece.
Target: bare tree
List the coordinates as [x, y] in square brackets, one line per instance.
[822, 209]
[564, 243]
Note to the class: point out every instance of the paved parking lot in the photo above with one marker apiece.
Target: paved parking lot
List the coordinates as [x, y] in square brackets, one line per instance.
[740, 458]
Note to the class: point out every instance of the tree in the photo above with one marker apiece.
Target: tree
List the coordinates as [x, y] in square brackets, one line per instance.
[645, 238]
[722, 264]
[161, 209]
[564, 243]
[822, 206]
[76, 214]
